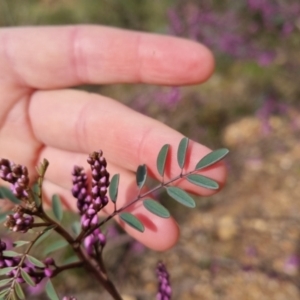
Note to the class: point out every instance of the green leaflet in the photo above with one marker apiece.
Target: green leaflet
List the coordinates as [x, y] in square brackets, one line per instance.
[141, 175]
[51, 293]
[113, 188]
[57, 208]
[181, 152]
[156, 208]
[132, 221]
[212, 158]
[181, 196]
[203, 181]
[161, 159]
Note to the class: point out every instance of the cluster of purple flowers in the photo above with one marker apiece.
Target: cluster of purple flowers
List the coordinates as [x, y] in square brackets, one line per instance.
[89, 204]
[236, 29]
[95, 239]
[37, 274]
[164, 287]
[17, 175]
[19, 221]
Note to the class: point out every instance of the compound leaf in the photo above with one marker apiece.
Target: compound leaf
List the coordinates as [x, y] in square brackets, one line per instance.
[212, 158]
[203, 181]
[161, 159]
[181, 196]
[156, 208]
[132, 221]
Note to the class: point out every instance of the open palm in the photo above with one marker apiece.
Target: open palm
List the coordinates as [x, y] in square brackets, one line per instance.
[41, 118]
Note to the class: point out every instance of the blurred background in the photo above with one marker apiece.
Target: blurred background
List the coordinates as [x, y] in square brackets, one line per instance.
[243, 243]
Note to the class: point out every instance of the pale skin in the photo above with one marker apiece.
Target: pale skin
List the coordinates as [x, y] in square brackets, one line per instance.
[41, 117]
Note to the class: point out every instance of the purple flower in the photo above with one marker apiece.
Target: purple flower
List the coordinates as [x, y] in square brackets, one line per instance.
[19, 221]
[89, 204]
[17, 175]
[164, 287]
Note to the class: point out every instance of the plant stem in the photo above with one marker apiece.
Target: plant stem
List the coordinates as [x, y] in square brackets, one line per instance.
[90, 264]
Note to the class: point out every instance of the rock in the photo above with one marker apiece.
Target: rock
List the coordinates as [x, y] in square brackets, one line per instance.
[227, 228]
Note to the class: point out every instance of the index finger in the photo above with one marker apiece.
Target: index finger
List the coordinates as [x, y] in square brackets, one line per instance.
[63, 56]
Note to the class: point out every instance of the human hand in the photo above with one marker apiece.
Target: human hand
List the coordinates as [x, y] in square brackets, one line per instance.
[41, 118]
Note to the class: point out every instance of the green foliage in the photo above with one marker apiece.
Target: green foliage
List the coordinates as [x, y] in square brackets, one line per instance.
[35, 261]
[161, 159]
[51, 293]
[113, 188]
[141, 176]
[156, 208]
[10, 253]
[6, 270]
[132, 221]
[20, 243]
[181, 152]
[19, 291]
[54, 246]
[27, 278]
[57, 208]
[181, 196]
[6, 281]
[212, 158]
[76, 227]
[6, 193]
[203, 181]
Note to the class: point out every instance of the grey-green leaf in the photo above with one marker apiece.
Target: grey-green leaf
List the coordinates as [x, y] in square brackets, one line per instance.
[19, 291]
[35, 261]
[27, 278]
[55, 246]
[51, 293]
[57, 208]
[76, 227]
[203, 181]
[113, 188]
[181, 196]
[44, 236]
[6, 193]
[161, 159]
[10, 253]
[6, 270]
[35, 190]
[141, 175]
[181, 152]
[5, 281]
[132, 221]
[3, 293]
[20, 243]
[71, 259]
[156, 208]
[212, 158]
